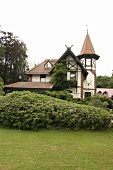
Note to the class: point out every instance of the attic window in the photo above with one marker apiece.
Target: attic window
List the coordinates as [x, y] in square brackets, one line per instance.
[48, 65]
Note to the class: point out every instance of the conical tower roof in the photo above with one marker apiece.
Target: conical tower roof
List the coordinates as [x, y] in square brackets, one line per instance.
[87, 47]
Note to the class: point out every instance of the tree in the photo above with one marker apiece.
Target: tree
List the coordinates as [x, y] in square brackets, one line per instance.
[13, 58]
[105, 82]
[59, 78]
[1, 87]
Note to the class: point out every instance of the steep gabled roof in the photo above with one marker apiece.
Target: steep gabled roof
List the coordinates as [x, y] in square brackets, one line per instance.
[41, 69]
[87, 47]
[69, 52]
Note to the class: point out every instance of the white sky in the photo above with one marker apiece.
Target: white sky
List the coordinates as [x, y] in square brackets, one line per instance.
[46, 26]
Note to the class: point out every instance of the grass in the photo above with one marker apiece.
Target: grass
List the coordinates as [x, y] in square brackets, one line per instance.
[56, 150]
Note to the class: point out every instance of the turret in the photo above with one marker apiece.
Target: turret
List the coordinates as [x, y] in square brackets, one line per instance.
[88, 59]
[87, 55]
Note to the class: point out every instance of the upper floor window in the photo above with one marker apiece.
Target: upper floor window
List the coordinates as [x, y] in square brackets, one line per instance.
[42, 78]
[88, 62]
[73, 75]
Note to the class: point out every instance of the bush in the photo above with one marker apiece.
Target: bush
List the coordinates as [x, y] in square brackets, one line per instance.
[64, 95]
[95, 101]
[26, 110]
[108, 100]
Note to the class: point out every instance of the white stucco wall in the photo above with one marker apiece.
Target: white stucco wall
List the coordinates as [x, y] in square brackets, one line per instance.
[48, 77]
[36, 78]
[89, 84]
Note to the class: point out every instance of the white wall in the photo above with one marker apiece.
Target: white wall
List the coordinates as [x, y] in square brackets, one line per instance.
[36, 78]
[89, 84]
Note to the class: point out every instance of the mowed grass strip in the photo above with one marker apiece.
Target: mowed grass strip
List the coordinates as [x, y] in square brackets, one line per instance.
[56, 150]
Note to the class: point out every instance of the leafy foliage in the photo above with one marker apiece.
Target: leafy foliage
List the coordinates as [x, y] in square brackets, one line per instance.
[13, 58]
[96, 101]
[1, 87]
[26, 110]
[104, 82]
[64, 95]
[59, 78]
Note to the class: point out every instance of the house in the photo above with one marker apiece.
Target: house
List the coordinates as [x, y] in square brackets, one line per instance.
[81, 68]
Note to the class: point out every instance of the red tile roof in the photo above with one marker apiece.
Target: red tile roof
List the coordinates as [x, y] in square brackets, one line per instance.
[87, 47]
[29, 85]
[40, 69]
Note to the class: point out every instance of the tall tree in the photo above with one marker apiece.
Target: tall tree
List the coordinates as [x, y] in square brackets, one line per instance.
[14, 59]
[105, 82]
[1, 87]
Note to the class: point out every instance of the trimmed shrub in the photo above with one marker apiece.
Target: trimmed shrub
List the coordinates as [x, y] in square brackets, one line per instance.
[26, 110]
[64, 95]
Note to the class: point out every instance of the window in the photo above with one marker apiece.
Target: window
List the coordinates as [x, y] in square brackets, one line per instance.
[42, 78]
[48, 65]
[100, 93]
[88, 62]
[87, 94]
[73, 75]
[105, 93]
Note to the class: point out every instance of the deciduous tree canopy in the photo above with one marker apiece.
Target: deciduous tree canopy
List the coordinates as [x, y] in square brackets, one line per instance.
[105, 82]
[1, 87]
[13, 58]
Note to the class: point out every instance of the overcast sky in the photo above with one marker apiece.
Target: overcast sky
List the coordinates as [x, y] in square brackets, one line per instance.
[46, 26]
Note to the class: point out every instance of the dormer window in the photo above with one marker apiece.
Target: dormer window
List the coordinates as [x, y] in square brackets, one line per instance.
[48, 65]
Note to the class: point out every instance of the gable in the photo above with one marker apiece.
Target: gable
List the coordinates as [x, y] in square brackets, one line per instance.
[43, 68]
[72, 62]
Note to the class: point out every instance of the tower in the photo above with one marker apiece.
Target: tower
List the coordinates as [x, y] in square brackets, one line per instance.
[88, 58]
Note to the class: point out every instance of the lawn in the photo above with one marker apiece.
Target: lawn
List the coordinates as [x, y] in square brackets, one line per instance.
[56, 150]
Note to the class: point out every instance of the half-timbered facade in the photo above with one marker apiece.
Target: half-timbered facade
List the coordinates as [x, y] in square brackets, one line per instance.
[81, 68]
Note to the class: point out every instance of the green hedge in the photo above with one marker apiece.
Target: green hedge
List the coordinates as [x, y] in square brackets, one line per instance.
[26, 110]
[64, 95]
